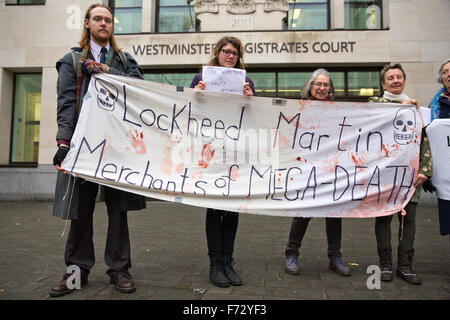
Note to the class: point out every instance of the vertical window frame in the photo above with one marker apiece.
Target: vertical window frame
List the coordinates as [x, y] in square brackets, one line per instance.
[157, 16]
[112, 5]
[11, 163]
[379, 3]
[328, 17]
[25, 4]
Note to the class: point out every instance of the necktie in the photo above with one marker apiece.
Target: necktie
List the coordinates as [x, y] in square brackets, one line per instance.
[103, 56]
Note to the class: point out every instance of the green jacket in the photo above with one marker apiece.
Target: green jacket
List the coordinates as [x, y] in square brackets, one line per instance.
[425, 161]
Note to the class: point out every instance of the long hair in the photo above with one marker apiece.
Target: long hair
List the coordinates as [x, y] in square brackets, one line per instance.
[223, 42]
[306, 89]
[439, 77]
[86, 34]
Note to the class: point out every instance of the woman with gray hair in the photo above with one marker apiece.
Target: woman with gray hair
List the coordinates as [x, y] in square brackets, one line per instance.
[317, 87]
[443, 78]
[309, 87]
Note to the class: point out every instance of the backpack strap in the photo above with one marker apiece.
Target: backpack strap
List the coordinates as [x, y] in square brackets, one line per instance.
[123, 58]
[75, 60]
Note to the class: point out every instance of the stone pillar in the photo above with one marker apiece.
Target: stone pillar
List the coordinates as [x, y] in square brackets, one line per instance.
[337, 14]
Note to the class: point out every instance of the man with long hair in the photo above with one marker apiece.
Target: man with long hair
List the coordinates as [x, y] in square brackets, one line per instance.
[75, 197]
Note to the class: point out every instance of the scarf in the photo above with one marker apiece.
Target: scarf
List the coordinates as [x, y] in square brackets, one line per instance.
[395, 97]
[80, 74]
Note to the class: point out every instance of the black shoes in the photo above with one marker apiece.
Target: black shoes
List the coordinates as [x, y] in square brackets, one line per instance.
[221, 272]
[385, 264]
[404, 268]
[229, 272]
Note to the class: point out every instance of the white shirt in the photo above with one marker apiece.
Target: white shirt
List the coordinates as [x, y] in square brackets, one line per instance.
[96, 50]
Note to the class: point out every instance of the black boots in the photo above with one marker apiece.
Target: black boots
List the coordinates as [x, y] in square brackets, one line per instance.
[234, 279]
[221, 272]
[385, 263]
[216, 272]
[404, 268]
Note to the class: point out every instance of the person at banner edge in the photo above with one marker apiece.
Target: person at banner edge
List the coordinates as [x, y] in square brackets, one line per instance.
[221, 226]
[442, 94]
[318, 86]
[440, 106]
[393, 79]
[75, 198]
[443, 112]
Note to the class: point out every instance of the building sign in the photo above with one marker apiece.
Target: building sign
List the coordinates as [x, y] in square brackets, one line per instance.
[165, 49]
[263, 48]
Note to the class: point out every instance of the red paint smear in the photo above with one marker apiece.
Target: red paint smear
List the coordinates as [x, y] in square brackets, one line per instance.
[179, 168]
[357, 162]
[385, 150]
[235, 174]
[299, 159]
[207, 155]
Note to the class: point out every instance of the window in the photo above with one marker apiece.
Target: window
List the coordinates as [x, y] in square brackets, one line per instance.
[127, 16]
[178, 79]
[308, 15]
[26, 118]
[176, 16]
[19, 2]
[265, 83]
[363, 14]
[362, 83]
[349, 85]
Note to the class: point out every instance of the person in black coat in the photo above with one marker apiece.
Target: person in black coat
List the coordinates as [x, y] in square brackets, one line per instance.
[75, 198]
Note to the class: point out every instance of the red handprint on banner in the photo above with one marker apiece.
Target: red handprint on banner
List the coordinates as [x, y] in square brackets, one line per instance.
[137, 142]
[207, 155]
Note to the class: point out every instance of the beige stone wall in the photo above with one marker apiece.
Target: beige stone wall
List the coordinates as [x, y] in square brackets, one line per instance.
[33, 38]
[420, 42]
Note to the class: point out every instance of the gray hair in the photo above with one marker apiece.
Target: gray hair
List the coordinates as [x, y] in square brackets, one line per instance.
[439, 77]
[306, 89]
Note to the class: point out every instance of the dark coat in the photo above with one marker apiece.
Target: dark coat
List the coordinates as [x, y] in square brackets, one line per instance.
[67, 187]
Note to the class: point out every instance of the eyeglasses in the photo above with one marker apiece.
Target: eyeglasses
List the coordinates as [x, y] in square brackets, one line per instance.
[321, 84]
[230, 52]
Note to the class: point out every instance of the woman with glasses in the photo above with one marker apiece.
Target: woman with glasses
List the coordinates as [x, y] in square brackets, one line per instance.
[221, 226]
[317, 87]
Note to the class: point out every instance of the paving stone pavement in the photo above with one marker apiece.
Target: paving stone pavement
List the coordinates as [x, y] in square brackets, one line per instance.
[170, 262]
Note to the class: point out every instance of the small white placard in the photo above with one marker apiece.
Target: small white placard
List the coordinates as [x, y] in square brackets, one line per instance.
[220, 79]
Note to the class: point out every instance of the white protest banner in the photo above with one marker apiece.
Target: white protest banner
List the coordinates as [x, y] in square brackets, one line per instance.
[438, 132]
[220, 79]
[426, 115]
[246, 154]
